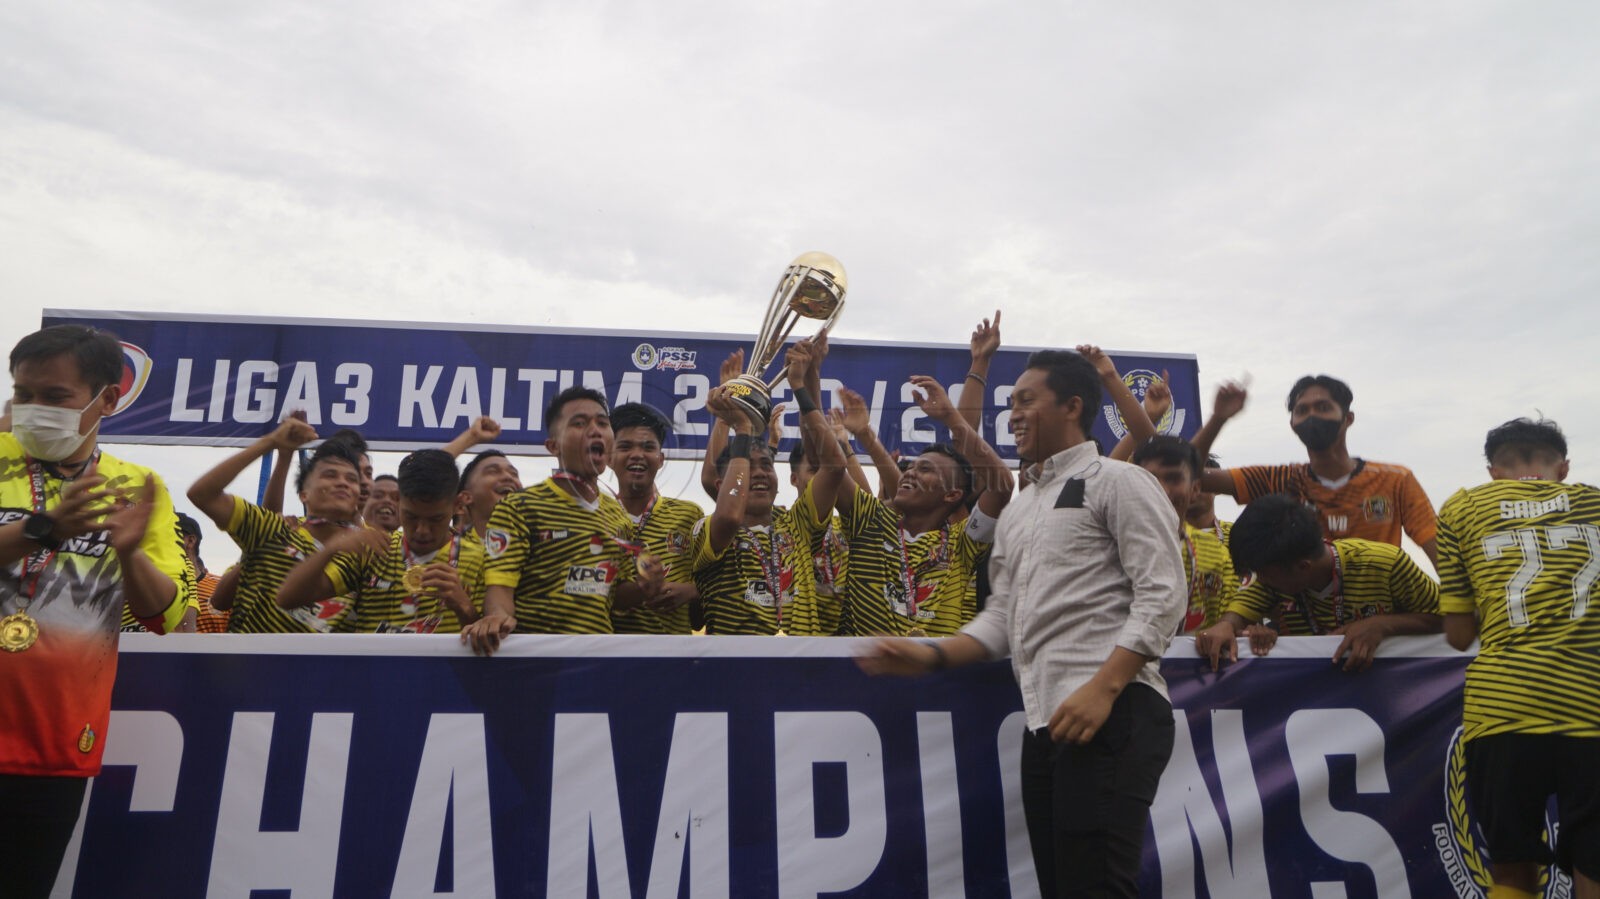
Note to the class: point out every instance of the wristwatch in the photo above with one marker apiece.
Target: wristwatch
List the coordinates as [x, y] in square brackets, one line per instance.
[39, 527]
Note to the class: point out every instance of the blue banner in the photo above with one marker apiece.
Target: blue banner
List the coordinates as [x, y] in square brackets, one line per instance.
[223, 381]
[731, 767]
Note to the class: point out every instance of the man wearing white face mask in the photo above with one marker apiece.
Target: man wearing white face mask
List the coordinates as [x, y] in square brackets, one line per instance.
[80, 534]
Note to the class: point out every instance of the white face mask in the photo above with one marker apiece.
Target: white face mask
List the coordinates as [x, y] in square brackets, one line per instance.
[49, 433]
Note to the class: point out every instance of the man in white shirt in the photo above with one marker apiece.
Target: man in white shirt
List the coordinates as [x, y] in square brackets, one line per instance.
[1088, 589]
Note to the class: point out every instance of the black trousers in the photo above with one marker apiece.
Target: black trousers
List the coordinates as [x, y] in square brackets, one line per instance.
[1087, 805]
[36, 825]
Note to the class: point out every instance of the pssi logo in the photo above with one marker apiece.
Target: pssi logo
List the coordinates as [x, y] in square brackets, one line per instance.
[1139, 381]
[136, 365]
[1459, 842]
[667, 358]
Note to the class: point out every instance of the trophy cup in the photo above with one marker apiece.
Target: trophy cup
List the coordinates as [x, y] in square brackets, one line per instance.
[813, 286]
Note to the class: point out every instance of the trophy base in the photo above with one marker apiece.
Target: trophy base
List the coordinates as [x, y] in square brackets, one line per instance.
[753, 399]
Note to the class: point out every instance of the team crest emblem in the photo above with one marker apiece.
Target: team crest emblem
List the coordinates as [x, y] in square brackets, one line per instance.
[1459, 841]
[136, 365]
[495, 542]
[1139, 381]
[1376, 508]
[645, 357]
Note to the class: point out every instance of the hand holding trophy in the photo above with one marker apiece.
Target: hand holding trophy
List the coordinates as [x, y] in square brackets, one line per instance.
[813, 286]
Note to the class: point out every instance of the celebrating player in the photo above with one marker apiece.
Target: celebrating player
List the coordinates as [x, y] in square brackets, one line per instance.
[1518, 558]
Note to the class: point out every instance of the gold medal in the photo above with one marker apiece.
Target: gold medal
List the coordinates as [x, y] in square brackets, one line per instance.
[18, 631]
[86, 740]
[916, 632]
[781, 633]
[413, 578]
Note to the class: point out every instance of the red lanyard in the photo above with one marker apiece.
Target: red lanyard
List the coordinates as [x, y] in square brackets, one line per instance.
[771, 567]
[41, 557]
[409, 559]
[1194, 564]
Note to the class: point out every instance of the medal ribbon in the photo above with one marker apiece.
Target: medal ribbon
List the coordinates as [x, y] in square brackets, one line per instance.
[771, 568]
[41, 556]
[408, 559]
[909, 578]
[1193, 555]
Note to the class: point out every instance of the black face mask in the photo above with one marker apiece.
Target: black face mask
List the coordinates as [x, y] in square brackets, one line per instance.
[1318, 434]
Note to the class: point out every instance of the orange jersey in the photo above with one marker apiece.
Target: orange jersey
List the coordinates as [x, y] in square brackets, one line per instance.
[1375, 502]
[55, 695]
[210, 620]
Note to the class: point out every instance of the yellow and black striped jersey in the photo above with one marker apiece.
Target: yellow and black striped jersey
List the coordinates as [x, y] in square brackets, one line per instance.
[379, 600]
[763, 582]
[1208, 570]
[1524, 556]
[899, 583]
[1371, 579]
[665, 530]
[269, 546]
[830, 563]
[562, 559]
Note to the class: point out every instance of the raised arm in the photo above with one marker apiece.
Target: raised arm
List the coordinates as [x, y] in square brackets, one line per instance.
[209, 491]
[985, 342]
[1139, 425]
[484, 430]
[858, 421]
[728, 514]
[841, 436]
[830, 477]
[991, 479]
[308, 580]
[732, 367]
[278, 481]
[1230, 400]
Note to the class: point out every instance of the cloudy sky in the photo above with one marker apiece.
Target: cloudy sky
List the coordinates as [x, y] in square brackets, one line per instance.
[1403, 195]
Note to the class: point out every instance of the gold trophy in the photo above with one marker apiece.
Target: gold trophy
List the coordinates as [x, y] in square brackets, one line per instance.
[813, 286]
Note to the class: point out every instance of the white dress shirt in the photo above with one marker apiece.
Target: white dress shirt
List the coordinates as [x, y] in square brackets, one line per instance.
[1083, 562]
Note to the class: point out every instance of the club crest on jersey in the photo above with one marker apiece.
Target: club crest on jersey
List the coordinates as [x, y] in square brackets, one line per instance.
[1139, 381]
[1458, 839]
[495, 542]
[1376, 508]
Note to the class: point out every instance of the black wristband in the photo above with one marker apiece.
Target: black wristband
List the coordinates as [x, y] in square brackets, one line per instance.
[939, 659]
[802, 398]
[740, 446]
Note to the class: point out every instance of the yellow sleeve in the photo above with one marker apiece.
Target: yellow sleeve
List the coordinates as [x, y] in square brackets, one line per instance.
[163, 546]
[505, 542]
[1253, 603]
[1456, 595]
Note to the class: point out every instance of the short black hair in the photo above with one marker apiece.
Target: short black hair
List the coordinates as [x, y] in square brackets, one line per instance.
[1338, 390]
[640, 415]
[336, 447]
[1167, 449]
[572, 394]
[188, 527]
[1068, 375]
[466, 473]
[98, 353]
[353, 439]
[1527, 440]
[428, 475]
[1212, 461]
[963, 467]
[726, 456]
[1275, 529]
[385, 477]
